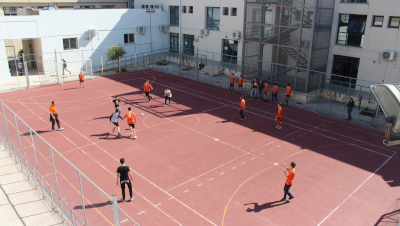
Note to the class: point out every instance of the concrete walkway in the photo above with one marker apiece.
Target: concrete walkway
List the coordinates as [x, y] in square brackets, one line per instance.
[19, 203]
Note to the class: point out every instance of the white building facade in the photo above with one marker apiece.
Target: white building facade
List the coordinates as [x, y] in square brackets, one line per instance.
[362, 31]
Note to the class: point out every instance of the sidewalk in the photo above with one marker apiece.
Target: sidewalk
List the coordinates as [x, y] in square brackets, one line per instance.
[19, 203]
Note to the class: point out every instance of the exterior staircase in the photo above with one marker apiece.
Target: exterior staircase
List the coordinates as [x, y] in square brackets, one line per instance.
[211, 70]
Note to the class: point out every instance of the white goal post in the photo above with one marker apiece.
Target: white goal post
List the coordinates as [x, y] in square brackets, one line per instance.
[70, 70]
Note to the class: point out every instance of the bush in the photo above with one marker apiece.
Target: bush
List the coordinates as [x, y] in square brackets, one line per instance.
[162, 63]
[122, 70]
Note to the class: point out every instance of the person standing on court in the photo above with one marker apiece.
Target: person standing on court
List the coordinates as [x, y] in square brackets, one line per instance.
[147, 88]
[350, 106]
[289, 173]
[116, 102]
[240, 84]
[81, 80]
[289, 91]
[260, 88]
[20, 68]
[232, 83]
[266, 88]
[114, 119]
[275, 93]
[124, 176]
[54, 116]
[65, 67]
[168, 96]
[242, 107]
[253, 89]
[131, 119]
[278, 118]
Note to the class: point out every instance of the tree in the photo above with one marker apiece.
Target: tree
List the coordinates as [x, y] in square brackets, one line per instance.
[115, 52]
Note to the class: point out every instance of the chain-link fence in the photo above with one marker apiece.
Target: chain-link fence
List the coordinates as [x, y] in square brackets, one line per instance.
[70, 194]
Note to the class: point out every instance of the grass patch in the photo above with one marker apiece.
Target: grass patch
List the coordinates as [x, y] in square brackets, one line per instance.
[187, 69]
[162, 63]
[367, 112]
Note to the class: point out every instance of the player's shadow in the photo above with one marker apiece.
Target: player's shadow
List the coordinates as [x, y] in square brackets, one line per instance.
[108, 136]
[104, 117]
[258, 208]
[96, 205]
[38, 132]
[71, 88]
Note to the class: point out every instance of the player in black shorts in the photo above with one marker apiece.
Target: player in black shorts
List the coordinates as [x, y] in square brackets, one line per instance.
[125, 176]
[117, 102]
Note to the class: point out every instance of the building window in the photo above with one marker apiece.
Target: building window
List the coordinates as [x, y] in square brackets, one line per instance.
[190, 9]
[174, 15]
[70, 43]
[174, 42]
[394, 22]
[233, 11]
[10, 11]
[347, 68]
[351, 30]
[87, 6]
[355, 1]
[142, 6]
[65, 7]
[145, 6]
[213, 16]
[183, 9]
[107, 6]
[378, 21]
[129, 38]
[225, 12]
[151, 6]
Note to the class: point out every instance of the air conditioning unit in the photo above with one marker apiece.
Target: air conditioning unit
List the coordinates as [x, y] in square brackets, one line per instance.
[92, 32]
[164, 28]
[204, 32]
[140, 30]
[389, 55]
[236, 35]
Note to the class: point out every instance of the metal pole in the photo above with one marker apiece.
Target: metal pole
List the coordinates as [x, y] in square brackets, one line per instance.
[19, 138]
[82, 199]
[319, 91]
[5, 120]
[26, 70]
[197, 64]
[59, 80]
[344, 108]
[115, 210]
[34, 151]
[244, 36]
[51, 197]
[72, 217]
[310, 49]
[54, 170]
[279, 37]
[41, 182]
[330, 109]
[16, 69]
[299, 44]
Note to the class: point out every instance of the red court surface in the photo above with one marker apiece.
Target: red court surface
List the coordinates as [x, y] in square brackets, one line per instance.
[195, 163]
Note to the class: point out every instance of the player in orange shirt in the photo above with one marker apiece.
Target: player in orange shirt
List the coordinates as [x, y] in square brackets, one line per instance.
[232, 83]
[278, 118]
[240, 84]
[81, 80]
[266, 88]
[289, 91]
[131, 120]
[147, 88]
[54, 116]
[241, 109]
[289, 173]
[275, 89]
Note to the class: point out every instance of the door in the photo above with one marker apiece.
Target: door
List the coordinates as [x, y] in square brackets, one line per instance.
[188, 44]
[230, 50]
[174, 43]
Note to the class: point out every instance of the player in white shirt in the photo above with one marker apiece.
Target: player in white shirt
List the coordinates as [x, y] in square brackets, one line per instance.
[168, 96]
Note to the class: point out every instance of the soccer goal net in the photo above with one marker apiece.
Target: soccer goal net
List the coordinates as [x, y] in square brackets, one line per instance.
[69, 71]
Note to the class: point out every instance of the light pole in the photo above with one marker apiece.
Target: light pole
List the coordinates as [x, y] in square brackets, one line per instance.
[151, 11]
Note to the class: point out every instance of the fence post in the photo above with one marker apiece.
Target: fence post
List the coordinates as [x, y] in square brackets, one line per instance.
[72, 218]
[16, 69]
[115, 210]
[51, 197]
[41, 182]
[34, 150]
[197, 64]
[19, 138]
[344, 108]
[54, 170]
[5, 120]
[83, 201]
[59, 80]
[330, 109]
[26, 70]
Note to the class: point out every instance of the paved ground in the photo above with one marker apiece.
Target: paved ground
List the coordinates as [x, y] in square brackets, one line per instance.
[19, 203]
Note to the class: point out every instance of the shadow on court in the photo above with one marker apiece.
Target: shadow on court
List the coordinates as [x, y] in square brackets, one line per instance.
[258, 208]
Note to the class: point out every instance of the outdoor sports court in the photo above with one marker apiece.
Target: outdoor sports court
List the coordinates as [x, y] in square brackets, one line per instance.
[196, 163]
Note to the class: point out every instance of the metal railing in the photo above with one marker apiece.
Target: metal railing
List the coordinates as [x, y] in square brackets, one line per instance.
[70, 194]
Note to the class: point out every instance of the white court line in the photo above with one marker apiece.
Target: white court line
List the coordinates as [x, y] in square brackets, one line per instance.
[243, 163]
[278, 146]
[210, 179]
[354, 191]
[261, 153]
[199, 184]
[123, 221]
[141, 212]
[234, 167]
[158, 204]
[221, 173]
[185, 191]
[102, 165]
[253, 158]
[165, 192]
[206, 94]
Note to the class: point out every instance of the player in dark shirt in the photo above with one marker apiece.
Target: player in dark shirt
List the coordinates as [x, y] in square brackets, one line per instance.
[117, 102]
[124, 176]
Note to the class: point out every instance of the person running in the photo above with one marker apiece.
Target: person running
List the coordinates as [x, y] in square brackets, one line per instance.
[65, 67]
[232, 83]
[125, 176]
[240, 84]
[54, 116]
[266, 88]
[81, 80]
[114, 119]
[289, 173]
[116, 102]
[168, 96]
[254, 89]
[242, 107]
[275, 93]
[278, 118]
[131, 119]
[260, 88]
[289, 91]
[147, 88]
